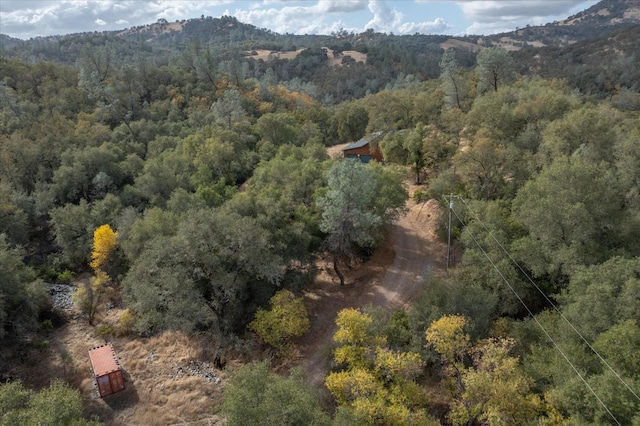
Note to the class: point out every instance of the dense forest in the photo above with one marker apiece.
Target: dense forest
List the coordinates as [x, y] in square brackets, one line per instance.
[193, 186]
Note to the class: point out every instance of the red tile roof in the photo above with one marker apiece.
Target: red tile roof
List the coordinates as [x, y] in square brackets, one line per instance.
[103, 360]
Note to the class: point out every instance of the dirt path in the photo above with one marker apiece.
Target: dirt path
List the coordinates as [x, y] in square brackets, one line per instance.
[392, 278]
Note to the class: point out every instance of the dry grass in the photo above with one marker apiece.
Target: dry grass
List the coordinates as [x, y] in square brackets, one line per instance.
[452, 42]
[169, 378]
[267, 55]
[166, 389]
[337, 60]
[336, 150]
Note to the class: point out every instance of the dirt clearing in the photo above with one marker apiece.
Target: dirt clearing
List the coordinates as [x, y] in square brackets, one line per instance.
[392, 278]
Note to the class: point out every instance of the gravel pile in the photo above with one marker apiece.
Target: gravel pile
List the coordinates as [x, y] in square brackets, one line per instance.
[198, 369]
[61, 296]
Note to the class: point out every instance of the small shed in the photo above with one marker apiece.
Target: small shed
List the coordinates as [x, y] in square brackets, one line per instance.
[366, 149]
[106, 369]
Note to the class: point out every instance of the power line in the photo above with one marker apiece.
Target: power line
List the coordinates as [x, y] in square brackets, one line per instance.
[552, 304]
[537, 322]
[450, 198]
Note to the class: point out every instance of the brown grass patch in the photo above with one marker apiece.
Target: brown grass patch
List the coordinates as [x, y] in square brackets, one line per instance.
[452, 42]
[267, 55]
[169, 378]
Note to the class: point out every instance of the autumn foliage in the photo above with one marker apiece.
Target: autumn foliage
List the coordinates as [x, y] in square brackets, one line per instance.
[104, 244]
[377, 384]
[89, 294]
[286, 319]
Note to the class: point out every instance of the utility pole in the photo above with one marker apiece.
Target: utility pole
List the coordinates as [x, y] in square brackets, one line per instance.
[450, 198]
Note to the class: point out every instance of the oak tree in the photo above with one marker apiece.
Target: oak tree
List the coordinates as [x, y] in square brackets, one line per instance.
[495, 67]
[286, 319]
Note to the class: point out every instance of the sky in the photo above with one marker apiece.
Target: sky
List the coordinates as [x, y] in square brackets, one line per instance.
[25, 19]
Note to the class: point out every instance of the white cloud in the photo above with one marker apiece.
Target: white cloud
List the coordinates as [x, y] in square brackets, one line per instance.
[31, 18]
[486, 11]
[438, 26]
[384, 19]
[27, 19]
[290, 19]
[392, 21]
[333, 6]
[318, 19]
[493, 16]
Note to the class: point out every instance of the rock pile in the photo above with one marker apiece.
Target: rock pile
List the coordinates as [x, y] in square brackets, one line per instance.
[198, 369]
[61, 296]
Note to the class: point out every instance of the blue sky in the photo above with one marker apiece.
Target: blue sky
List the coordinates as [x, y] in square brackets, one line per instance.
[31, 18]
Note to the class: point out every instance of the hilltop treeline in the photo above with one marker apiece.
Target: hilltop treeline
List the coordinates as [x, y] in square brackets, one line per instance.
[597, 58]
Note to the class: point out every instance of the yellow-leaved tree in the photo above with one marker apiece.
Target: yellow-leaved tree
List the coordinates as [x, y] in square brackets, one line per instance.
[494, 389]
[447, 337]
[88, 294]
[286, 319]
[356, 339]
[105, 241]
[377, 385]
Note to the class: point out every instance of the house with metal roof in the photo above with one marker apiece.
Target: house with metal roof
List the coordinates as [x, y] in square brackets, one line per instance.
[366, 149]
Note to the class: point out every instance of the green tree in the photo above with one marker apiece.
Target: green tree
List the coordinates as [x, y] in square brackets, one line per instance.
[217, 155]
[57, 405]
[72, 226]
[588, 132]
[22, 296]
[351, 212]
[281, 197]
[492, 169]
[278, 129]
[207, 276]
[88, 173]
[352, 122]
[256, 396]
[389, 110]
[415, 147]
[286, 319]
[452, 81]
[495, 68]
[619, 346]
[155, 222]
[13, 218]
[599, 296]
[162, 175]
[450, 296]
[570, 211]
[228, 111]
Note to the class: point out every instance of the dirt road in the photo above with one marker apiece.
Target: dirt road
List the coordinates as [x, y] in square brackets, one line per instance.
[392, 278]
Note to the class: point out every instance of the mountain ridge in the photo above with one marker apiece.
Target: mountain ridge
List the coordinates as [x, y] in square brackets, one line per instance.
[598, 18]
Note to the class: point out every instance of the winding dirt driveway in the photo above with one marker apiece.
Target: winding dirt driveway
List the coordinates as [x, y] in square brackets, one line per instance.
[392, 279]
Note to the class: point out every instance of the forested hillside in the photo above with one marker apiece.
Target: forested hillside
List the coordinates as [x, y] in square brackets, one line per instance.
[192, 186]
